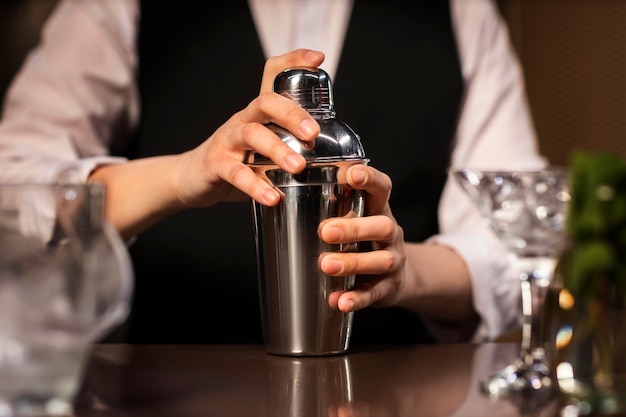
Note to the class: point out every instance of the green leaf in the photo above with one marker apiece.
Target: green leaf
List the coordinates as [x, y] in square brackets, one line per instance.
[589, 260]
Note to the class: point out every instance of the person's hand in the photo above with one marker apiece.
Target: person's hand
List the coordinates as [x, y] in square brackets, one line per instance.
[143, 191]
[426, 278]
[380, 272]
[212, 171]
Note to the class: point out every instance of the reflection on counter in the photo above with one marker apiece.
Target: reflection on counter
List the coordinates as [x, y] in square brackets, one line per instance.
[307, 386]
[244, 380]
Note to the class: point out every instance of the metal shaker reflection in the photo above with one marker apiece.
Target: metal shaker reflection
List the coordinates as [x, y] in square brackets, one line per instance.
[302, 387]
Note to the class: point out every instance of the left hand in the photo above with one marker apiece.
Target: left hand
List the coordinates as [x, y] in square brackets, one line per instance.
[381, 271]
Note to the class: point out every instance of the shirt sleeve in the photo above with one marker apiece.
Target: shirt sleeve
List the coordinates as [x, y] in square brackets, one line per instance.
[74, 94]
[495, 131]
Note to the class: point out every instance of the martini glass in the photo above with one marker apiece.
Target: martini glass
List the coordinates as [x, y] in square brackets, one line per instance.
[527, 212]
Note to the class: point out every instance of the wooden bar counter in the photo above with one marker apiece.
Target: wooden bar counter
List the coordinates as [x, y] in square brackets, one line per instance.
[244, 380]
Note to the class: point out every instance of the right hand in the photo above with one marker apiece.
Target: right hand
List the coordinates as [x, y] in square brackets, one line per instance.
[214, 171]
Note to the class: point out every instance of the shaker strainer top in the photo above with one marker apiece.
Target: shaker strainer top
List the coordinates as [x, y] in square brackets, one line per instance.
[312, 90]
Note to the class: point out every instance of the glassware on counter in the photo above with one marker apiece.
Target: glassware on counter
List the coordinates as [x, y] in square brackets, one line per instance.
[527, 211]
[65, 282]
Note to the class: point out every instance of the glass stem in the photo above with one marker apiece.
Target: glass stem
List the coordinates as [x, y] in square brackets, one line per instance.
[535, 280]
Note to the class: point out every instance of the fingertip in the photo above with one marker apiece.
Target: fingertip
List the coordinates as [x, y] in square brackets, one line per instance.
[309, 129]
[270, 197]
[333, 299]
[331, 266]
[316, 57]
[358, 175]
[332, 234]
[295, 162]
[346, 304]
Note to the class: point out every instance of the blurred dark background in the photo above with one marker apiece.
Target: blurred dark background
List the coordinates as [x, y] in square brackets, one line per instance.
[571, 50]
[20, 22]
[575, 66]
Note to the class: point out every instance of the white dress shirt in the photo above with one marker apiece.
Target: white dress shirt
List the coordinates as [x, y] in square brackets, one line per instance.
[65, 104]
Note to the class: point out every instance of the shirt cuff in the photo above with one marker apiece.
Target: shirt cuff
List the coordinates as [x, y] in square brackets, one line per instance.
[78, 171]
[496, 291]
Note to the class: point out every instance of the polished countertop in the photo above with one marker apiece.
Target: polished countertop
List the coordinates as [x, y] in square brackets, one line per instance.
[244, 380]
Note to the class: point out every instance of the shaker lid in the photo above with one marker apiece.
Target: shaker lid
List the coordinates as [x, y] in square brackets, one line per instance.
[312, 90]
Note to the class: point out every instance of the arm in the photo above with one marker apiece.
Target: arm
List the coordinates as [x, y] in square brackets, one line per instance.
[73, 95]
[143, 191]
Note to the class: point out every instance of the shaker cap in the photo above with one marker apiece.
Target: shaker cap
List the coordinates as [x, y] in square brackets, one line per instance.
[312, 90]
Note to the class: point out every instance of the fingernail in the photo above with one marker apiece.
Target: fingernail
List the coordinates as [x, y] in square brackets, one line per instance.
[331, 266]
[270, 196]
[308, 128]
[294, 161]
[349, 305]
[358, 176]
[332, 234]
[313, 55]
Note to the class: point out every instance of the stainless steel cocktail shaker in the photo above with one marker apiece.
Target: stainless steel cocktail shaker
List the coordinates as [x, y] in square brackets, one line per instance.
[297, 317]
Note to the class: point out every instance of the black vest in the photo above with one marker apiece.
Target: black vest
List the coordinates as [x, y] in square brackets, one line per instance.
[398, 85]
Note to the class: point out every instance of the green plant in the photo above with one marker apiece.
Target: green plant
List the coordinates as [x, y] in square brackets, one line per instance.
[596, 225]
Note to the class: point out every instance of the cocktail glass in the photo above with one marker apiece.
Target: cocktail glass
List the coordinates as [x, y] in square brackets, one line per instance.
[527, 211]
[65, 281]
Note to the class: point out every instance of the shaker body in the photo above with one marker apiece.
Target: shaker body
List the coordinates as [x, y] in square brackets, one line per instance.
[294, 292]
